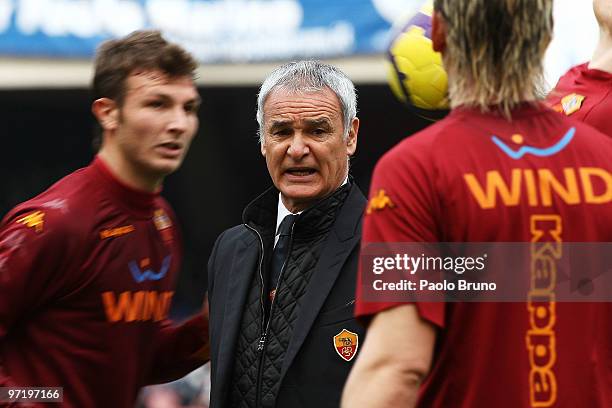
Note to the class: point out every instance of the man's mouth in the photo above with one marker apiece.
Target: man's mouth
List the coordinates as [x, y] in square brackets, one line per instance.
[300, 171]
[170, 145]
[171, 150]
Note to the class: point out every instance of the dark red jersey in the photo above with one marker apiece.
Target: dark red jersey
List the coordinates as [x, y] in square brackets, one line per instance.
[585, 94]
[476, 177]
[87, 272]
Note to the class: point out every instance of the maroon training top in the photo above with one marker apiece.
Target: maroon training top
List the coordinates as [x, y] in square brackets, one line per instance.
[87, 272]
[476, 177]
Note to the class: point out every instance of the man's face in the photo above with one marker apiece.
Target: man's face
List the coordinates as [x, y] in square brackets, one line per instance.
[156, 122]
[303, 144]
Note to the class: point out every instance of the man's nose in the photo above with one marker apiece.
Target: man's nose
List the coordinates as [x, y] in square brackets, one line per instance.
[298, 147]
[178, 121]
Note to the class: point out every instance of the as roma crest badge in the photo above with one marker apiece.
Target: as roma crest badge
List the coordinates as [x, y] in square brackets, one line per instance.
[346, 343]
[163, 224]
[571, 103]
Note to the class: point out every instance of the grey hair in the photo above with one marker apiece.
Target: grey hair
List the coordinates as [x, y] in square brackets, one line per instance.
[310, 76]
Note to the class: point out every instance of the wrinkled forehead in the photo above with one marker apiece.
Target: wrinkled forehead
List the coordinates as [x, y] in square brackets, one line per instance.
[302, 103]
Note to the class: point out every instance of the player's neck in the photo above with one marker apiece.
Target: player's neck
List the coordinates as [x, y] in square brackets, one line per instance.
[602, 58]
[129, 174]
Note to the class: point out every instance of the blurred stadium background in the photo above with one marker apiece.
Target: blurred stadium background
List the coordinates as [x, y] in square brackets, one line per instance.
[45, 52]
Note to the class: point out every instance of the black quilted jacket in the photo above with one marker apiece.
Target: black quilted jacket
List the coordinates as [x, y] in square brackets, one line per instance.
[296, 363]
[262, 347]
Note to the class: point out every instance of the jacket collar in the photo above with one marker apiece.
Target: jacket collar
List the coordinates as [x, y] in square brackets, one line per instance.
[317, 219]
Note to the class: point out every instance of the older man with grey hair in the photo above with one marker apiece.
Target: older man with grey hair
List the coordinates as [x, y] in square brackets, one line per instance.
[281, 285]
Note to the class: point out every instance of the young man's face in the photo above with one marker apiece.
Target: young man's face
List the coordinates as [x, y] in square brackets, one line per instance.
[306, 154]
[156, 122]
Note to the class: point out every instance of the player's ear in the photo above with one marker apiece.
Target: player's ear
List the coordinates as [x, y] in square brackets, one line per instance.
[262, 145]
[351, 140]
[438, 32]
[106, 112]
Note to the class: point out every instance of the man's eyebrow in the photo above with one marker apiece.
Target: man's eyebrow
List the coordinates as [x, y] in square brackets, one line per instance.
[157, 95]
[321, 122]
[196, 100]
[276, 124]
[167, 96]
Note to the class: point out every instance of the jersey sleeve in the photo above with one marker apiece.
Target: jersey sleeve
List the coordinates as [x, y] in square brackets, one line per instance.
[402, 208]
[180, 349]
[33, 247]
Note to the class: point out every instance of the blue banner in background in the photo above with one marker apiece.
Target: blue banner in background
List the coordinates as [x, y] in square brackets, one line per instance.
[213, 30]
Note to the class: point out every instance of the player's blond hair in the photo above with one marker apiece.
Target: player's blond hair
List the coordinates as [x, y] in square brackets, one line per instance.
[494, 50]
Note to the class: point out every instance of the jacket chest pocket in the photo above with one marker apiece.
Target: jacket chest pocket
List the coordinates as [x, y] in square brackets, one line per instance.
[336, 315]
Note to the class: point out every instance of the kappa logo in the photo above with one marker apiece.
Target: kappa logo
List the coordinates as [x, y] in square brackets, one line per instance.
[536, 151]
[346, 344]
[35, 220]
[140, 275]
[379, 201]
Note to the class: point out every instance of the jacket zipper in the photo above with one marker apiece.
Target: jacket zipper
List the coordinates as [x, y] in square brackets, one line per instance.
[262, 338]
[261, 346]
